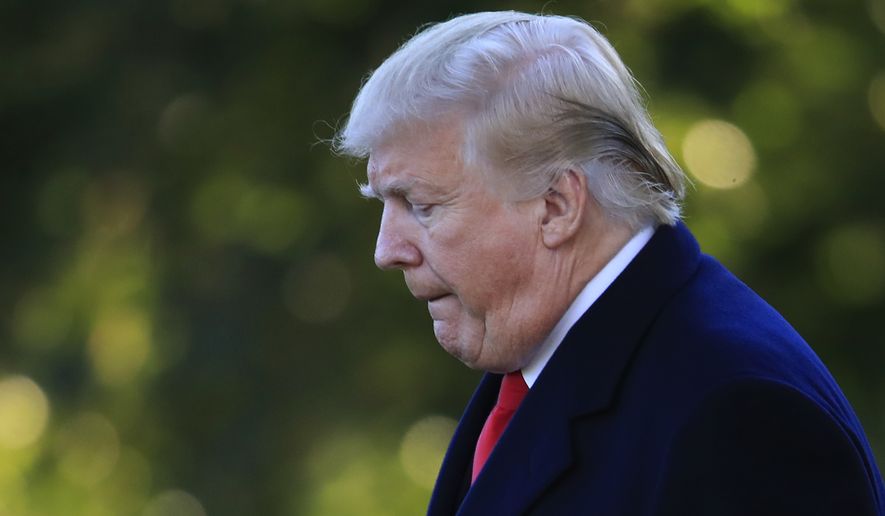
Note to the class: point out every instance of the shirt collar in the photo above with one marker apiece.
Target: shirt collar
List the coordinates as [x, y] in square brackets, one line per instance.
[591, 292]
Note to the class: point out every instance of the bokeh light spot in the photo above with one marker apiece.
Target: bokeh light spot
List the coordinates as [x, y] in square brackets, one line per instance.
[119, 345]
[320, 291]
[14, 499]
[877, 98]
[174, 502]
[24, 411]
[230, 208]
[423, 448]
[88, 448]
[851, 264]
[271, 218]
[359, 474]
[718, 154]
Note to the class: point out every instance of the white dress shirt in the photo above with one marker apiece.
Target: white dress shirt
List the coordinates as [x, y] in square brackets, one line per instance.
[591, 292]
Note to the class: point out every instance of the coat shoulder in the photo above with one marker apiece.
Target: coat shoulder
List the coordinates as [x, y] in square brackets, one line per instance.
[758, 446]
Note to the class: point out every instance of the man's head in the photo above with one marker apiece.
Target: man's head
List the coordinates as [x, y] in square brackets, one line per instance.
[514, 158]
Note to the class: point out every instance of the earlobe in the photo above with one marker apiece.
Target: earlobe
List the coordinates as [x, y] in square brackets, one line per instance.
[564, 207]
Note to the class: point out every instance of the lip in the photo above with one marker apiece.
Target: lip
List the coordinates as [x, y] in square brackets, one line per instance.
[430, 297]
[437, 307]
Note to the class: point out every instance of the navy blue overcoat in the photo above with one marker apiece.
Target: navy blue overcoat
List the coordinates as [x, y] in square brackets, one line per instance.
[680, 392]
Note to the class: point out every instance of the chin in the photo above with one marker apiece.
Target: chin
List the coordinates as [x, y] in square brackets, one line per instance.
[471, 355]
[474, 350]
[458, 351]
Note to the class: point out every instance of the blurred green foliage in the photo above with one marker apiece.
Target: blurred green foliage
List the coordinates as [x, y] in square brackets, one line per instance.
[190, 321]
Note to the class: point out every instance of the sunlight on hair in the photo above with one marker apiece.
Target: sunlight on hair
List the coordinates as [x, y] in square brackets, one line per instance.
[319, 291]
[174, 502]
[24, 411]
[718, 154]
[119, 345]
[423, 447]
[851, 264]
[877, 98]
[88, 449]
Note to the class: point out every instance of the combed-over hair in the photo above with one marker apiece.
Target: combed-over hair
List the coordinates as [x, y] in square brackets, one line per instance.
[538, 95]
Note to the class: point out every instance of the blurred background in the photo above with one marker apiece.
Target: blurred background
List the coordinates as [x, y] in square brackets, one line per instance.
[190, 320]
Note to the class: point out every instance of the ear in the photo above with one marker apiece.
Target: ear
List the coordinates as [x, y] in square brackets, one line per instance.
[565, 204]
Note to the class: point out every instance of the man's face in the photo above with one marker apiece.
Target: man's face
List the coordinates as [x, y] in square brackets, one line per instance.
[463, 249]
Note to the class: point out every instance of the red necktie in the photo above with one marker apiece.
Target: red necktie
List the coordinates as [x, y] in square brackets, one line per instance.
[513, 390]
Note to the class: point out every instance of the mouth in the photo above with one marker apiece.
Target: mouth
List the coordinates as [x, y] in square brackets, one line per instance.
[438, 308]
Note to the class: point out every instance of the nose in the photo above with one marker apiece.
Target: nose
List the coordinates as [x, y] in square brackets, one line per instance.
[394, 248]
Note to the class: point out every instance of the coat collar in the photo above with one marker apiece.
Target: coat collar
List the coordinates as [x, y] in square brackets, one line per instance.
[581, 378]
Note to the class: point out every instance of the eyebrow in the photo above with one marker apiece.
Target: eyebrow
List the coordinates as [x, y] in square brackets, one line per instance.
[367, 192]
[395, 188]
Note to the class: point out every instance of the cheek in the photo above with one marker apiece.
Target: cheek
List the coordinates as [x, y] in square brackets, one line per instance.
[495, 277]
[509, 252]
[484, 261]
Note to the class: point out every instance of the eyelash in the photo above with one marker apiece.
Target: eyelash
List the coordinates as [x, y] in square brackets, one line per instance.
[421, 210]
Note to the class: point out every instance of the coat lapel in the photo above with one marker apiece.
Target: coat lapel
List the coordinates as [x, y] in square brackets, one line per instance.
[453, 480]
[580, 379]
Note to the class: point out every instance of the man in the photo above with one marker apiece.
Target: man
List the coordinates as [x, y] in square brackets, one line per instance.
[532, 205]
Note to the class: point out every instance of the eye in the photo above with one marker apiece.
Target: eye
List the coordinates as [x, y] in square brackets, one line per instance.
[422, 211]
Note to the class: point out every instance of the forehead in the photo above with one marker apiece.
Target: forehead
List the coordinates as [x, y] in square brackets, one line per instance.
[418, 159]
